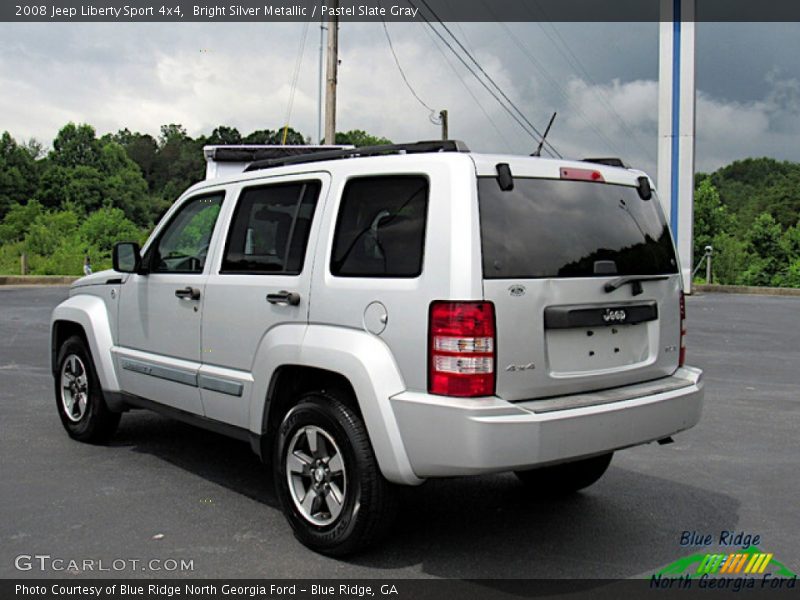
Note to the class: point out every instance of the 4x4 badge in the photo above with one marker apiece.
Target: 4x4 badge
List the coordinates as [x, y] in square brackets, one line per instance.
[513, 368]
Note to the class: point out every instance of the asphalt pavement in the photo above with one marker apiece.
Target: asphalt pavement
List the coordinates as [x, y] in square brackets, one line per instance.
[163, 491]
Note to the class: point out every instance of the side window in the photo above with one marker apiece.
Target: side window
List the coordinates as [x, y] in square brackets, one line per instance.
[183, 245]
[269, 230]
[380, 230]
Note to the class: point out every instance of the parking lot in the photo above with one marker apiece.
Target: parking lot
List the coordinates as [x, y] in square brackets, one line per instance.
[166, 491]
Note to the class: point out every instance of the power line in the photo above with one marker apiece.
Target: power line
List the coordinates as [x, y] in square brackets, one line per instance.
[466, 87]
[552, 81]
[599, 93]
[576, 65]
[488, 77]
[491, 92]
[295, 77]
[556, 85]
[402, 73]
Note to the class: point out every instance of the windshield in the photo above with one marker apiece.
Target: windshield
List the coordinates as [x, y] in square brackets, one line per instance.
[564, 228]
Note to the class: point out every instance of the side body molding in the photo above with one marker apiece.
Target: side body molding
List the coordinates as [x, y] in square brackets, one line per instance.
[367, 363]
[90, 313]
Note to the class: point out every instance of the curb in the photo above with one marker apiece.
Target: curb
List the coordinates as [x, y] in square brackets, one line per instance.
[36, 280]
[745, 289]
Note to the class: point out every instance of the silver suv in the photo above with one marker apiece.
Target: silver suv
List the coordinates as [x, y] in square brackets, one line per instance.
[374, 317]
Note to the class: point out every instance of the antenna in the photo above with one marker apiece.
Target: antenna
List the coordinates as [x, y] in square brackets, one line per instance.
[546, 131]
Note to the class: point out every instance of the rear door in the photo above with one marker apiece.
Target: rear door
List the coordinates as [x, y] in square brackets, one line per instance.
[262, 281]
[554, 255]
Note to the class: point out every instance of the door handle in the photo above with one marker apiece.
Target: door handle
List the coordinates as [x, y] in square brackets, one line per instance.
[188, 293]
[284, 298]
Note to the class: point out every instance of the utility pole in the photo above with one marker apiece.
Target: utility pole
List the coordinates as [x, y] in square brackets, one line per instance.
[443, 120]
[332, 74]
[322, 29]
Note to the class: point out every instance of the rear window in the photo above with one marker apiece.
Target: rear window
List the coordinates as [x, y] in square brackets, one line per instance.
[558, 228]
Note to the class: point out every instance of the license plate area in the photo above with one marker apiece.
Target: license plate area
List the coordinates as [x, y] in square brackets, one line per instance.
[581, 350]
[584, 339]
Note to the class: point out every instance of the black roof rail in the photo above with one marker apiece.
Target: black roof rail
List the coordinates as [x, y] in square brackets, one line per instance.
[412, 148]
[609, 162]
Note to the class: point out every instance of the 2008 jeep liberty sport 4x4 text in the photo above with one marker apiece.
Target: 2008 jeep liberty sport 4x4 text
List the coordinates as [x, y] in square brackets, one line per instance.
[368, 318]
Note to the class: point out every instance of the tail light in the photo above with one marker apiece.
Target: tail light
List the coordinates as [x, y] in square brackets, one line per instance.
[461, 338]
[682, 355]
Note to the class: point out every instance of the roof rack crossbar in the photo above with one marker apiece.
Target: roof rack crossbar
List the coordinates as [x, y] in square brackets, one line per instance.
[413, 148]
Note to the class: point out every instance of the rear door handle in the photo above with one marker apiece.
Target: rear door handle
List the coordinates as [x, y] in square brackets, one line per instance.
[284, 298]
[188, 293]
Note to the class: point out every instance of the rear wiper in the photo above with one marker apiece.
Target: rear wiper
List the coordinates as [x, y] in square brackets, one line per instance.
[634, 280]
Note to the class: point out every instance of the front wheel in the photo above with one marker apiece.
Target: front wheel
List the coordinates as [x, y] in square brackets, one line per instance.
[79, 399]
[567, 477]
[327, 478]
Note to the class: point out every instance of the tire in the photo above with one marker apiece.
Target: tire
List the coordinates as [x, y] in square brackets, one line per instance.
[323, 457]
[79, 399]
[566, 478]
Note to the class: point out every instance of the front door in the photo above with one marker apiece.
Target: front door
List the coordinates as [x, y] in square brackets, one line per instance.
[158, 354]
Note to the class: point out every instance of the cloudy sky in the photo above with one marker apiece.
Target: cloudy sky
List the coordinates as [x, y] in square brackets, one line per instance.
[601, 78]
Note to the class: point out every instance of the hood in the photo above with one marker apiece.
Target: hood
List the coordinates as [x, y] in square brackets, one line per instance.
[99, 278]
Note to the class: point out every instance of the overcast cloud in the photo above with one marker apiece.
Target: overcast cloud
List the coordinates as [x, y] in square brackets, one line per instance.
[601, 78]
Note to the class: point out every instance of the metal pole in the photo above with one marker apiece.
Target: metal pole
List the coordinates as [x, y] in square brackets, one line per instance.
[332, 75]
[676, 124]
[443, 118]
[709, 252]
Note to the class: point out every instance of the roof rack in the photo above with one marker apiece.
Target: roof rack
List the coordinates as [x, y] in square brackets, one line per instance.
[413, 148]
[223, 160]
[251, 152]
[609, 162]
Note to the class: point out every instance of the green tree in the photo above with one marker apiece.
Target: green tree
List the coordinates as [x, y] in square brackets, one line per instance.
[76, 145]
[180, 162]
[730, 260]
[223, 135]
[756, 185]
[18, 220]
[359, 137]
[790, 242]
[767, 255]
[18, 173]
[49, 230]
[275, 138]
[790, 277]
[172, 133]
[711, 217]
[126, 188]
[142, 149]
[107, 226]
[83, 186]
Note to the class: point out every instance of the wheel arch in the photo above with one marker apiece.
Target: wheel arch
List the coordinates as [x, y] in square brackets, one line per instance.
[87, 317]
[354, 362]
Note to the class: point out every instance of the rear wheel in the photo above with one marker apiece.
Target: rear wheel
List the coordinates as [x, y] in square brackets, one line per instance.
[327, 478]
[79, 399]
[567, 477]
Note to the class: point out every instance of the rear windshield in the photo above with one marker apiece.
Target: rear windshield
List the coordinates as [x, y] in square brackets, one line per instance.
[558, 228]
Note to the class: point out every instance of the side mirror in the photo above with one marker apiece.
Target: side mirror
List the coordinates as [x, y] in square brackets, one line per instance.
[126, 257]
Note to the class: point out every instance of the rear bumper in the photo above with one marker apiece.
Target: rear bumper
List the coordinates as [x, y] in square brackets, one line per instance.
[452, 436]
